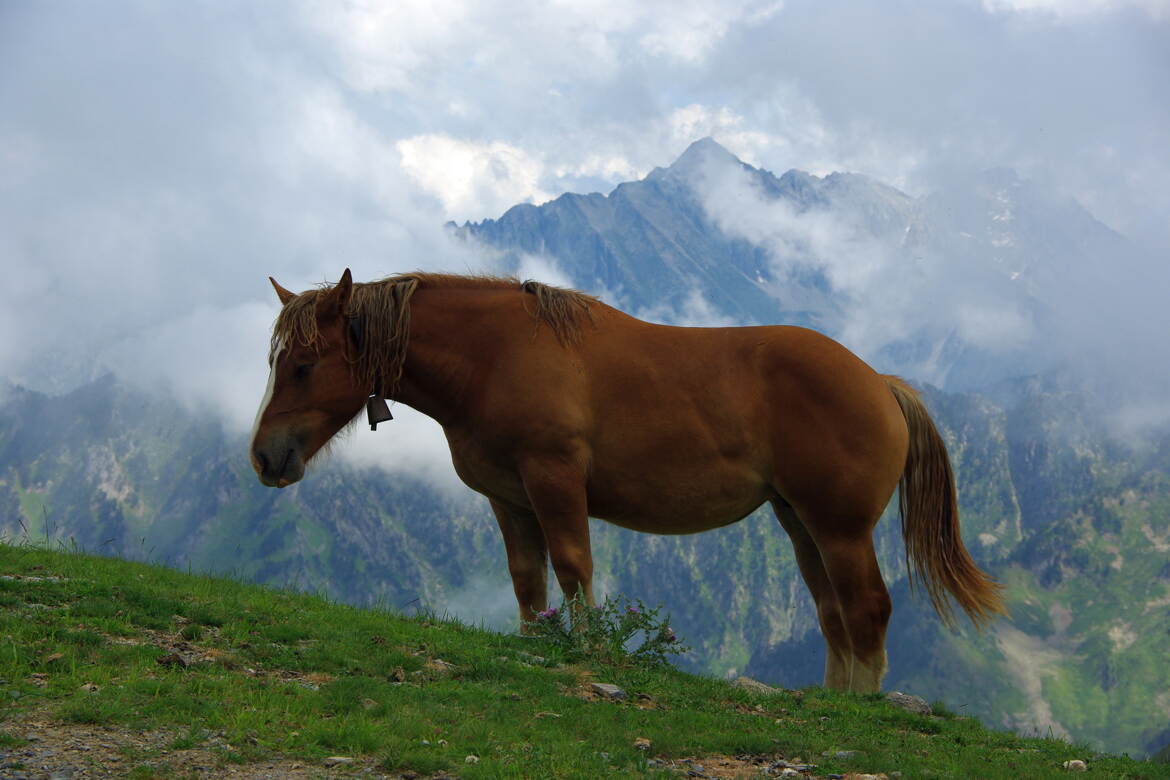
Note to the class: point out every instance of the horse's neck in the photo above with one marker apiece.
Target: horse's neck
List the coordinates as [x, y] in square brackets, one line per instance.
[446, 347]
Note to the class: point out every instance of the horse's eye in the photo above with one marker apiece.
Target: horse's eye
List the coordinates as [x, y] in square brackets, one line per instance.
[302, 371]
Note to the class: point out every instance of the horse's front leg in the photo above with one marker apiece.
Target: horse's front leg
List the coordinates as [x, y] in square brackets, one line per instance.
[527, 560]
[556, 490]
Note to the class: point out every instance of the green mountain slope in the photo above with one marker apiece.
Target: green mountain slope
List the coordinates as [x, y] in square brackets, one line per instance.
[109, 666]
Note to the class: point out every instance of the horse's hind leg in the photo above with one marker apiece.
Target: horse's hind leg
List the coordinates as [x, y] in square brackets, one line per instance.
[527, 559]
[852, 568]
[839, 654]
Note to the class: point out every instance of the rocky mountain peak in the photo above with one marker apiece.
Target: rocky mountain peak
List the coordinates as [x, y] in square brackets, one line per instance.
[704, 154]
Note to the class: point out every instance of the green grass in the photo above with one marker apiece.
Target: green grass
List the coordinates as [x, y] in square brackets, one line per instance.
[277, 675]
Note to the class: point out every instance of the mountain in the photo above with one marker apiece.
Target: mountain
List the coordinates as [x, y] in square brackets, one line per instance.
[964, 287]
[648, 242]
[1074, 517]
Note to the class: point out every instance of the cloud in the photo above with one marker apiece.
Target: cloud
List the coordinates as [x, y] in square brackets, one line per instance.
[1039, 286]
[695, 311]
[156, 164]
[1078, 9]
[483, 180]
[543, 269]
[411, 444]
[382, 48]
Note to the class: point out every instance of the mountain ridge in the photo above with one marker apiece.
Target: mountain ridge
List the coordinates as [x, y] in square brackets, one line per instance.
[1022, 258]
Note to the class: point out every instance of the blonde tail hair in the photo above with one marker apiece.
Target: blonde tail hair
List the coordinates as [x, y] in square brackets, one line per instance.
[929, 504]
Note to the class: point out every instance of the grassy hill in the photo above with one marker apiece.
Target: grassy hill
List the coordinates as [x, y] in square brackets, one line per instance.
[118, 669]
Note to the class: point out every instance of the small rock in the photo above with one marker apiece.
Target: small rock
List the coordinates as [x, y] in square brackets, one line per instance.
[337, 761]
[755, 686]
[608, 690]
[845, 755]
[369, 704]
[789, 772]
[641, 743]
[398, 675]
[542, 715]
[915, 704]
[1076, 765]
[91, 687]
[471, 760]
[172, 659]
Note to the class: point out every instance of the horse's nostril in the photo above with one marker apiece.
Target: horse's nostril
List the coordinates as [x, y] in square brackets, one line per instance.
[261, 461]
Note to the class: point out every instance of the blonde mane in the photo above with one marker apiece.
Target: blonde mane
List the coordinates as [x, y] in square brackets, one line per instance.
[383, 308]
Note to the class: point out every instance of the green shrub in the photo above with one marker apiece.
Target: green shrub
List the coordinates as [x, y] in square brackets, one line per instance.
[618, 632]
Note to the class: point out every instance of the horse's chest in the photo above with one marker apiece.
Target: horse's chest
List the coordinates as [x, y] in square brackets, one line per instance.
[484, 471]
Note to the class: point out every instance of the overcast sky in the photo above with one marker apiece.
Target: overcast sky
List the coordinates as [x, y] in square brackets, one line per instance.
[159, 160]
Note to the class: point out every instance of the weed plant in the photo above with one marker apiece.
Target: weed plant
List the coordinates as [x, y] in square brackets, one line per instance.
[618, 632]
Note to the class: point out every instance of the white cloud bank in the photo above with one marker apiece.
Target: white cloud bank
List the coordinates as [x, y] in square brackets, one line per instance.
[157, 162]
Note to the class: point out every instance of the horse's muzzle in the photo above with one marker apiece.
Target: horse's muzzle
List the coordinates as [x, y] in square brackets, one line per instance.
[278, 466]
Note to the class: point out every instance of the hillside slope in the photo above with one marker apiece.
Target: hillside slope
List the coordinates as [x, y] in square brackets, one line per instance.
[113, 668]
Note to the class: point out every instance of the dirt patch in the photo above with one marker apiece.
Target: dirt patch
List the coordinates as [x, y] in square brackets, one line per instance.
[57, 751]
[738, 767]
[175, 651]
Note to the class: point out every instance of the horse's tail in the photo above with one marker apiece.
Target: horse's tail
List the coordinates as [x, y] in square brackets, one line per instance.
[929, 505]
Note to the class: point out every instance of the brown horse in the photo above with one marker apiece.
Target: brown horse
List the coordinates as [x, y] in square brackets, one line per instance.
[558, 407]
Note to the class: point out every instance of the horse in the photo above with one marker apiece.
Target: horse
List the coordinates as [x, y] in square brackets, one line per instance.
[558, 407]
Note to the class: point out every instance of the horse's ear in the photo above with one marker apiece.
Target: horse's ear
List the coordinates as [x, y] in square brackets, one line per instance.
[284, 295]
[344, 289]
[337, 299]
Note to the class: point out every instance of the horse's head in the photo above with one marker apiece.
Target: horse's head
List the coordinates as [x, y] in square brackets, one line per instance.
[313, 390]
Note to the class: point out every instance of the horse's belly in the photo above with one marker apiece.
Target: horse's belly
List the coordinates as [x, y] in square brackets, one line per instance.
[680, 504]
